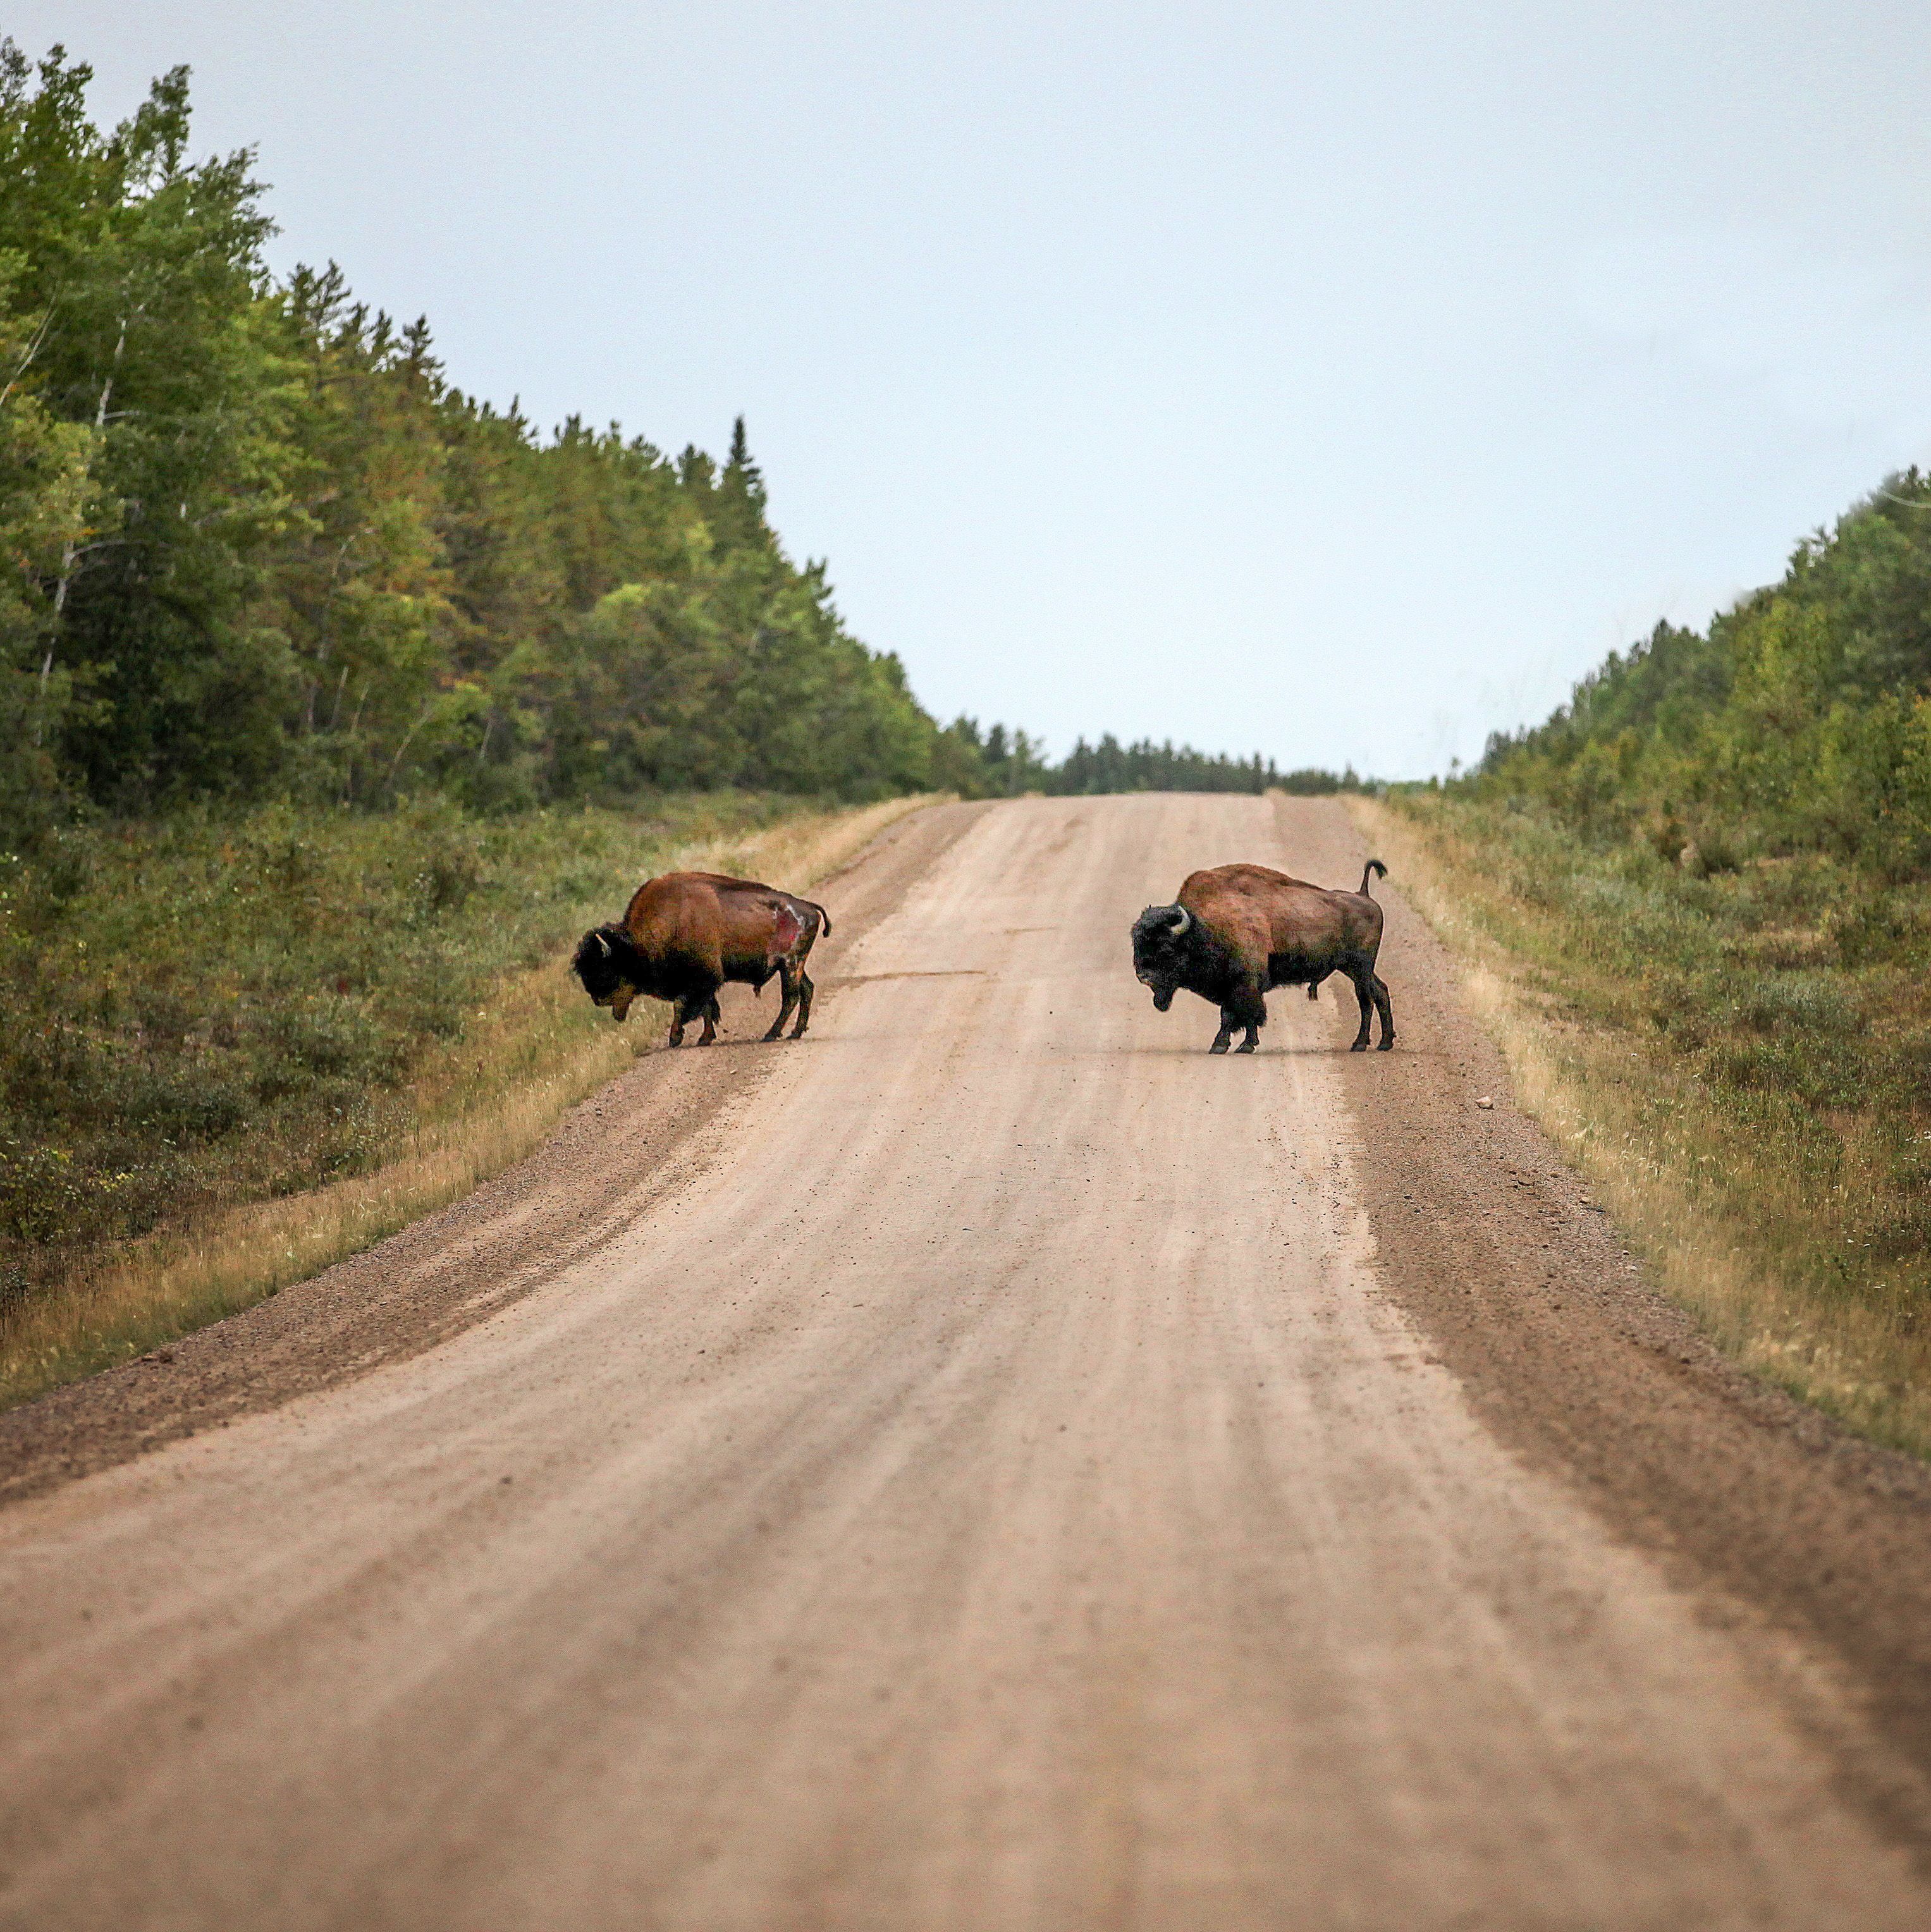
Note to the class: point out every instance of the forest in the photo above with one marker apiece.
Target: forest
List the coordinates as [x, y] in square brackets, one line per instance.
[1111, 766]
[1701, 894]
[1798, 722]
[253, 540]
[254, 543]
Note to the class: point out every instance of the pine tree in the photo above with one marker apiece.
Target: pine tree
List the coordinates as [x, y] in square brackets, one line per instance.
[738, 517]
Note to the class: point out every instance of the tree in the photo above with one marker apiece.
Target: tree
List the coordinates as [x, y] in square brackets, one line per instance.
[142, 275]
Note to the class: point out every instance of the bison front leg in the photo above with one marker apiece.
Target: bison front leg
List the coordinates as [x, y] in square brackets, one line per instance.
[693, 1006]
[1246, 1007]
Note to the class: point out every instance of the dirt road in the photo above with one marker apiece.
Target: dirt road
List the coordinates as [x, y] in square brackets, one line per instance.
[1000, 1470]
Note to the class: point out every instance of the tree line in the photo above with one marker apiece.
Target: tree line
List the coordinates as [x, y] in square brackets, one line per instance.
[253, 542]
[1111, 766]
[252, 539]
[1799, 721]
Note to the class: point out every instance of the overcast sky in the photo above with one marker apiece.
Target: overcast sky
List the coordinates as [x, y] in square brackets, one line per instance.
[1338, 382]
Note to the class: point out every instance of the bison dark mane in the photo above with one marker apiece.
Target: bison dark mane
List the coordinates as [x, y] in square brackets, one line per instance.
[605, 958]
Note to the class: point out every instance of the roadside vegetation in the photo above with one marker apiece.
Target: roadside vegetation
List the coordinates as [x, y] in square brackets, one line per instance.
[1697, 901]
[240, 1047]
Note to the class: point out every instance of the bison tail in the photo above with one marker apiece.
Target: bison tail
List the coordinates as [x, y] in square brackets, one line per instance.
[1369, 871]
[824, 917]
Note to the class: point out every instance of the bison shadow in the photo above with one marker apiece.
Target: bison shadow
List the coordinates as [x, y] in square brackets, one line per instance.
[1259, 1053]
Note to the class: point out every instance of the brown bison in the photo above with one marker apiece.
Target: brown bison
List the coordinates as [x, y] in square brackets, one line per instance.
[683, 935]
[1238, 930]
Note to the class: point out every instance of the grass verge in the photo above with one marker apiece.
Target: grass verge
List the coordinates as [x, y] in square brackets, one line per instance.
[1737, 1062]
[237, 1051]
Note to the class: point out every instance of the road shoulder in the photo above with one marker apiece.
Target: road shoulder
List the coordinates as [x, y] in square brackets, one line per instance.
[1491, 1243]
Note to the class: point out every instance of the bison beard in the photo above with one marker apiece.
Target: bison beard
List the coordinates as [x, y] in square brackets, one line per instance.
[1237, 931]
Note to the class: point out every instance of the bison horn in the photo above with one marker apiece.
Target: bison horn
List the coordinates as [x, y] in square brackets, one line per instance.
[603, 944]
[1182, 919]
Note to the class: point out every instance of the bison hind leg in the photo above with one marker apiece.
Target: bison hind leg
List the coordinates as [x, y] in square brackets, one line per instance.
[1365, 982]
[787, 979]
[1386, 1008]
[805, 991]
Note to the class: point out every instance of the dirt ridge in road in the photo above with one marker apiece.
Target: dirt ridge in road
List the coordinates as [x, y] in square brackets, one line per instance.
[609, 1159]
[1489, 1240]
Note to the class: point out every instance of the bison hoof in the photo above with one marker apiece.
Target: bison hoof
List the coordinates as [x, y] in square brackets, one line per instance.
[1385, 1044]
[1247, 1046]
[1218, 1046]
[1359, 1046]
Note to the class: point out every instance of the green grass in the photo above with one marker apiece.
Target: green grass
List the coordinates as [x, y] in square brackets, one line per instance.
[1743, 1057]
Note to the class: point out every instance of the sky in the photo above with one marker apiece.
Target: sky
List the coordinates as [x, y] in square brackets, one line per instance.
[1336, 382]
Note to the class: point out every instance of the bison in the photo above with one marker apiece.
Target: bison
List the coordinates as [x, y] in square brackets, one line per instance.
[684, 935]
[1239, 930]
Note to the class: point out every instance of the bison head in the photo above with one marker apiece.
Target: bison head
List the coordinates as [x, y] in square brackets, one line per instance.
[604, 957]
[1160, 951]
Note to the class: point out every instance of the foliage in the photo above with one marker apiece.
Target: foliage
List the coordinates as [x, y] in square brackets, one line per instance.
[1746, 1056]
[225, 1005]
[1715, 862]
[1111, 766]
[1728, 837]
[1799, 724]
[252, 541]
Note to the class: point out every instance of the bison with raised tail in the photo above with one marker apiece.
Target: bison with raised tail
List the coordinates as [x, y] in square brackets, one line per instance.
[1237, 931]
[684, 935]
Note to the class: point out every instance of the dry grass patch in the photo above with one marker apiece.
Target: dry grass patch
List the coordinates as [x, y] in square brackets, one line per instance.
[1759, 1147]
[528, 1048]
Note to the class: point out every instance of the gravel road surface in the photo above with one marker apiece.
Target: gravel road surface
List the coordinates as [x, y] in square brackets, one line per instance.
[991, 1465]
